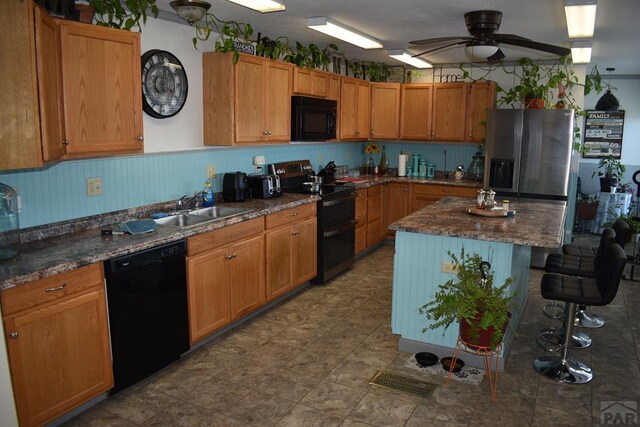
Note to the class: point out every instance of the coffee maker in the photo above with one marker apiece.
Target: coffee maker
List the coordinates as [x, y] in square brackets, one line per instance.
[235, 187]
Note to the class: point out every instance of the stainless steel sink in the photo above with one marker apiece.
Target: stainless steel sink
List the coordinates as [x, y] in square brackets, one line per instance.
[199, 216]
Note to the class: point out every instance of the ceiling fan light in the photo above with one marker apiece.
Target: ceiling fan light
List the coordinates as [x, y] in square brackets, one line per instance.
[581, 52]
[403, 56]
[581, 17]
[262, 6]
[339, 31]
[482, 51]
[190, 10]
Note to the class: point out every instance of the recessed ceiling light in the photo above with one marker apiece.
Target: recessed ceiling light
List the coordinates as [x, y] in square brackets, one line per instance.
[262, 6]
[403, 56]
[581, 17]
[339, 31]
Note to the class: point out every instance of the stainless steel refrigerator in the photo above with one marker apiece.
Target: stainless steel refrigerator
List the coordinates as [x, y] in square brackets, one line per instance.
[528, 153]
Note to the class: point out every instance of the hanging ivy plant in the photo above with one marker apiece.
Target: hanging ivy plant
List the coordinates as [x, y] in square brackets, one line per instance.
[123, 15]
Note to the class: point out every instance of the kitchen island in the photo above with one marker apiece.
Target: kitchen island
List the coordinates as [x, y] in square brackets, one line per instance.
[423, 240]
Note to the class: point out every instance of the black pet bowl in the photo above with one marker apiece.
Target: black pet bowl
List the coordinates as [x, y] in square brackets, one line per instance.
[446, 364]
[426, 359]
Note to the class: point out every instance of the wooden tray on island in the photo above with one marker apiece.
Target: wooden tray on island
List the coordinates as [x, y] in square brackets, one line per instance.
[490, 212]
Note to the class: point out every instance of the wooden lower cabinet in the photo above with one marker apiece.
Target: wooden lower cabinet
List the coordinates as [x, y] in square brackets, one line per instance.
[374, 215]
[396, 203]
[361, 221]
[422, 195]
[226, 282]
[58, 343]
[291, 249]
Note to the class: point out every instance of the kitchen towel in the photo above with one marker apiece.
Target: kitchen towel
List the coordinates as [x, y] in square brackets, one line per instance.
[402, 164]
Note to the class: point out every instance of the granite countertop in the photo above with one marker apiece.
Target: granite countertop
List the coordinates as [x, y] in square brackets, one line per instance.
[65, 252]
[371, 180]
[534, 224]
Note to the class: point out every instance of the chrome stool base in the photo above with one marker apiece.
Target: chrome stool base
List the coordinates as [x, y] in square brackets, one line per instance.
[553, 310]
[568, 371]
[588, 320]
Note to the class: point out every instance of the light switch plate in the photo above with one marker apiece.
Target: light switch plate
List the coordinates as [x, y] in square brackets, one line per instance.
[448, 267]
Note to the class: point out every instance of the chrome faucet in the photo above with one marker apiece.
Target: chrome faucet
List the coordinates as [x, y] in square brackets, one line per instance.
[189, 202]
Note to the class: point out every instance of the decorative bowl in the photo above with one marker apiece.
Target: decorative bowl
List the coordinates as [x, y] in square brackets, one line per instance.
[446, 364]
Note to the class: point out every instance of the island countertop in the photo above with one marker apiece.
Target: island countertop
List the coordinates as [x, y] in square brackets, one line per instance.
[534, 224]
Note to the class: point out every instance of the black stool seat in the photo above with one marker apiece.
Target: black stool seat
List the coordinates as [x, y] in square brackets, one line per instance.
[579, 290]
[579, 250]
[570, 265]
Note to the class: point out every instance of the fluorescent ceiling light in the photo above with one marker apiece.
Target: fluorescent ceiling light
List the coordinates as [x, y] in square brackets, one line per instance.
[339, 31]
[403, 56]
[581, 17]
[262, 6]
[581, 52]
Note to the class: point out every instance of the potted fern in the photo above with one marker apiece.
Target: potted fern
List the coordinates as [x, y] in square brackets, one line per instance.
[482, 310]
[611, 170]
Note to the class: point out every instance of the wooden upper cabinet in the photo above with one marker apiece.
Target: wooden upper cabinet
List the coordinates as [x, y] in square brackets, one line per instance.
[334, 87]
[449, 111]
[311, 82]
[385, 110]
[102, 90]
[31, 133]
[355, 116]
[415, 111]
[246, 102]
[480, 97]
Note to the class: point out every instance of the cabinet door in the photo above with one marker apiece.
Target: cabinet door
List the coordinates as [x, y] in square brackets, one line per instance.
[278, 261]
[415, 111]
[385, 110]
[397, 201]
[364, 110]
[302, 82]
[422, 196]
[102, 90]
[374, 215]
[59, 356]
[334, 87]
[249, 99]
[480, 97]
[209, 293]
[304, 251]
[49, 85]
[348, 109]
[449, 111]
[278, 82]
[247, 276]
[361, 239]
[320, 83]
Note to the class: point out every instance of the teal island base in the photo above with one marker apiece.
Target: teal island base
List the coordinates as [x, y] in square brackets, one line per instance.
[421, 264]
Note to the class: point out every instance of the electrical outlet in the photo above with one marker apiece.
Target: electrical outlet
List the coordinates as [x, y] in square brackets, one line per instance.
[211, 171]
[321, 158]
[347, 155]
[448, 267]
[259, 160]
[94, 186]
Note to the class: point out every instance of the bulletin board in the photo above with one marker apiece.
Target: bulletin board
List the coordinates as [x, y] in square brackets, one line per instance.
[603, 134]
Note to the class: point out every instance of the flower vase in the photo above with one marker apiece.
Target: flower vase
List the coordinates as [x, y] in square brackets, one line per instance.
[369, 165]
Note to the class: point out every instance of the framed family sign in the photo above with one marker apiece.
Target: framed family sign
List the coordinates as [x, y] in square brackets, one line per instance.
[603, 134]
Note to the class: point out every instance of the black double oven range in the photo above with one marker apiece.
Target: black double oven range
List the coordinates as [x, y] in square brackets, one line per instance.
[336, 217]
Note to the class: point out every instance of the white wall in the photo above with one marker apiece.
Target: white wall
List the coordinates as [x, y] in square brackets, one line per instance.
[8, 417]
[183, 131]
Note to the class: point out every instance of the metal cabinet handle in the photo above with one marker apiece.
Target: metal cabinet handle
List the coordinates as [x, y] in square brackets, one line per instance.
[140, 138]
[295, 233]
[269, 133]
[294, 214]
[234, 255]
[470, 135]
[56, 288]
[264, 132]
[14, 335]
[65, 142]
[373, 132]
[229, 256]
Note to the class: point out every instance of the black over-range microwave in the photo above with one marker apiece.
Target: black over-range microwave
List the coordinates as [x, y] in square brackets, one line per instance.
[313, 119]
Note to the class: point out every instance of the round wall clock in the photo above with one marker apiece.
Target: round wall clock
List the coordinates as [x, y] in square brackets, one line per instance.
[164, 84]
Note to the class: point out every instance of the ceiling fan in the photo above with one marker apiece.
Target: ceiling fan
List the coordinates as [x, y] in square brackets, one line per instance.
[483, 26]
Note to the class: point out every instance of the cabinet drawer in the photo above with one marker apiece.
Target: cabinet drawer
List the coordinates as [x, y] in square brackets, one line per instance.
[374, 191]
[361, 194]
[217, 238]
[444, 190]
[290, 215]
[373, 233]
[51, 289]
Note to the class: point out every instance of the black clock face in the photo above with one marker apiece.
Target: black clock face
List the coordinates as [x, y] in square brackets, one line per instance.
[164, 84]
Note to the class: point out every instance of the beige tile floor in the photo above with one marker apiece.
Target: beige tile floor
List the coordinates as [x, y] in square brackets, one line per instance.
[307, 362]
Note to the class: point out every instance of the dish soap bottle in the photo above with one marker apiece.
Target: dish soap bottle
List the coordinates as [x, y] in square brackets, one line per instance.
[207, 194]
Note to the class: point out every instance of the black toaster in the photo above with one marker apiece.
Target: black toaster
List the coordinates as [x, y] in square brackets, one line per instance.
[265, 186]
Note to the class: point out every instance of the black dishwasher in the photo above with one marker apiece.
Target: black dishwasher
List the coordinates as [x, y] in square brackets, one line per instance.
[147, 299]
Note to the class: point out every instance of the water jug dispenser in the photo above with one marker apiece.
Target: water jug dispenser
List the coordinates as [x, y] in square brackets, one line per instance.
[9, 227]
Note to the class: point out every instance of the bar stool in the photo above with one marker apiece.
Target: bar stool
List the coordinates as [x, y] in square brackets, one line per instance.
[574, 290]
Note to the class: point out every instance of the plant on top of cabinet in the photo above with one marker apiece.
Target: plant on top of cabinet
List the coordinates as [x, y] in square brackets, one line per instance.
[378, 71]
[115, 14]
[311, 56]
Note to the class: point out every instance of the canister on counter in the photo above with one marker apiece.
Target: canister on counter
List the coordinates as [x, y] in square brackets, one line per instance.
[505, 205]
[480, 199]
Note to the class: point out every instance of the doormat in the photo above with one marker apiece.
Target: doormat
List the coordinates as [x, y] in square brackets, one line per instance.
[404, 384]
[467, 374]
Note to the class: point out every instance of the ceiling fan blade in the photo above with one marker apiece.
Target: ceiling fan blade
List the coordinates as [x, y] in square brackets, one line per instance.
[530, 44]
[496, 56]
[438, 48]
[440, 39]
